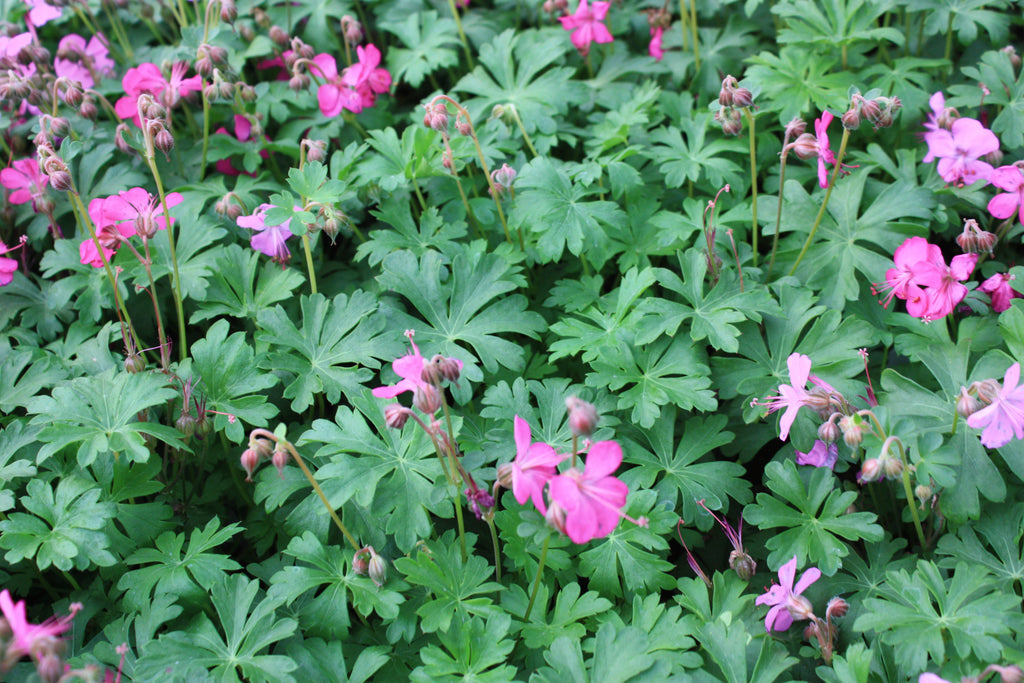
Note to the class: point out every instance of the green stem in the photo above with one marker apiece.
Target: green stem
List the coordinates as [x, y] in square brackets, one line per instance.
[71, 580]
[497, 547]
[693, 31]
[462, 34]
[753, 183]
[824, 203]
[519, 122]
[461, 524]
[778, 216]
[909, 492]
[206, 133]
[119, 32]
[536, 581]
[309, 262]
[684, 23]
[949, 38]
[179, 309]
[320, 492]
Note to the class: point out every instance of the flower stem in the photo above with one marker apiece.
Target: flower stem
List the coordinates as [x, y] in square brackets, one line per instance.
[753, 183]
[778, 216]
[824, 203]
[206, 133]
[526, 136]
[497, 547]
[693, 31]
[462, 34]
[183, 345]
[908, 491]
[684, 23]
[305, 236]
[536, 580]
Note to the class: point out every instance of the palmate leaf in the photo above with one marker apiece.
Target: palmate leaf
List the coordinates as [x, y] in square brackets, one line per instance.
[433, 232]
[922, 614]
[620, 655]
[231, 382]
[466, 306]
[731, 647]
[791, 83]
[14, 437]
[838, 23]
[680, 477]
[100, 415]
[327, 355]
[64, 528]
[999, 530]
[666, 371]
[471, 648]
[429, 42]
[711, 314]
[668, 630]
[398, 162]
[820, 517]
[570, 608]
[551, 205]
[231, 653]
[513, 69]
[24, 373]
[692, 158]
[235, 291]
[964, 17]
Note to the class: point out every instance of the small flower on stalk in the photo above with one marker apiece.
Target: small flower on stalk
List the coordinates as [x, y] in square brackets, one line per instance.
[999, 289]
[269, 239]
[480, 502]
[795, 396]
[959, 150]
[739, 560]
[533, 467]
[8, 266]
[26, 181]
[787, 603]
[587, 25]
[1003, 418]
[503, 178]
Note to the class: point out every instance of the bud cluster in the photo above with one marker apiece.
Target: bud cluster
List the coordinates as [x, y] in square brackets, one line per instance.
[352, 30]
[974, 240]
[733, 99]
[367, 562]
[879, 111]
[503, 178]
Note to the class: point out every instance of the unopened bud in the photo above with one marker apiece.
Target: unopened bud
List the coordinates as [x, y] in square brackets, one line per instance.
[246, 92]
[829, 431]
[316, 150]
[377, 569]
[119, 138]
[279, 35]
[463, 126]
[503, 177]
[1012, 673]
[88, 109]
[50, 667]
[799, 607]
[250, 459]
[134, 363]
[967, 405]
[923, 493]
[870, 470]
[59, 126]
[988, 389]
[742, 98]
[396, 415]
[263, 447]
[851, 119]
[725, 96]
[426, 399]
[555, 516]
[851, 425]
[163, 140]
[583, 416]
[298, 82]
[61, 181]
[186, 424]
[742, 564]
[870, 110]
[811, 631]
[995, 157]
[796, 128]
[352, 30]
[246, 31]
[805, 146]
[211, 92]
[1011, 52]
[204, 66]
[261, 18]
[891, 467]
[229, 12]
[361, 561]
[280, 459]
[436, 117]
[731, 120]
[73, 95]
[837, 607]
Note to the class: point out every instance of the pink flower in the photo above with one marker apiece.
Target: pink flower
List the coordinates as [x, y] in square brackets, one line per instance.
[356, 88]
[913, 251]
[654, 48]
[410, 368]
[591, 500]
[270, 239]
[821, 455]
[1004, 205]
[147, 78]
[1003, 418]
[944, 289]
[93, 53]
[8, 266]
[532, 468]
[586, 25]
[27, 638]
[999, 289]
[921, 278]
[825, 155]
[795, 396]
[931, 678]
[11, 47]
[243, 133]
[786, 600]
[40, 12]
[958, 150]
[117, 218]
[27, 181]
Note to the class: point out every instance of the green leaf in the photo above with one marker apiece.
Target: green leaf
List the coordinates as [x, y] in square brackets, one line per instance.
[790, 82]
[1001, 530]
[995, 70]
[429, 42]
[231, 381]
[324, 661]
[564, 620]
[837, 23]
[14, 437]
[24, 373]
[551, 205]
[468, 304]
[456, 587]
[730, 647]
[64, 528]
[100, 414]
[693, 158]
[471, 648]
[433, 232]
[235, 291]
[819, 518]
[326, 355]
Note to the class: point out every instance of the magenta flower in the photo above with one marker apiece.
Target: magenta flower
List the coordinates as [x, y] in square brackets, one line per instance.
[410, 368]
[147, 78]
[41, 12]
[243, 133]
[356, 88]
[958, 150]
[26, 638]
[269, 239]
[119, 217]
[591, 500]
[26, 180]
[7, 265]
[786, 600]
[820, 455]
[795, 396]
[1003, 418]
[11, 46]
[655, 49]
[999, 289]
[93, 54]
[532, 468]
[908, 256]
[1004, 205]
[944, 289]
[586, 25]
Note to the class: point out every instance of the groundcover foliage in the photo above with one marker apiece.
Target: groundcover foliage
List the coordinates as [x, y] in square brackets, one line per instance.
[586, 341]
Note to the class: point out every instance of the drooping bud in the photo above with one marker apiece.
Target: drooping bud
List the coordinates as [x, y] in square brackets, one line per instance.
[279, 35]
[967, 405]
[396, 415]
[742, 98]
[377, 569]
[186, 424]
[870, 470]
[829, 431]
[316, 150]
[462, 125]
[805, 146]
[88, 109]
[743, 564]
[163, 140]
[426, 399]
[852, 427]
[263, 447]
[891, 467]
[280, 459]
[229, 12]
[555, 517]
[1012, 673]
[298, 82]
[974, 240]
[361, 561]
[1011, 52]
[837, 607]
[583, 416]
[924, 494]
[436, 117]
[119, 138]
[987, 389]
[479, 501]
[352, 30]
[796, 128]
[250, 459]
[851, 119]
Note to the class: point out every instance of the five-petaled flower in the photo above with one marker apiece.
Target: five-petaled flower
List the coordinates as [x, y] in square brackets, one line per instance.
[794, 396]
[958, 150]
[787, 603]
[1003, 418]
[26, 180]
[1004, 205]
[356, 88]
[587, 25]
[533, 467]
[999, 289]
[129, 213]
[269, 239]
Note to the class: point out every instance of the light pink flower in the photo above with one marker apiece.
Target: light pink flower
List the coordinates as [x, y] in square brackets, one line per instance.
[27, 636]
[356, 88]
[931, 678]
[532, 468]
[820, 455]
[587, 25]
[1011, 202]
[26, 180]
[93, 53]
[795, 396]
[592, 500]
[1003, 418]
[11, 46]
[999, 289]
[8, 266]
[40, 12]
[123, 216]
[654, 49]
[958, 150]
[786, 600]
[269, 239]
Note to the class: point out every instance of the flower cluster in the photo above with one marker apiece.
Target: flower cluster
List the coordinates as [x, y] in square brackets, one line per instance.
[922, 279]
[355, 88]
[583, 505]
[146, 78]
[119, 217]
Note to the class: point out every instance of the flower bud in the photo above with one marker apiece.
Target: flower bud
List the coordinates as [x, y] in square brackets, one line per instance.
[463, 126]
[805, 146]
[361, 562]
[352, 30]
[88, 109]
[246, 31]
[134, 363]
[811, 631]
[298, 82]
[1011, 52]
[316, 150]
[204, 67]
[837, 607]
[725, 96]
[870, 470]
[396, 415]
[742, 564]
[73, 95]
[61, 181]
[796, 128]
[211, 92]
[829, 431]
[1012, 673]
[967, 405]
[851, 119]
[377, 569]
[583, 416]
[280, 459]
[742, 98]
[851, 426]
[995, 157]
[163, 140]
[555, 516]
[246, 92]
[250, 459]
[426, 399]
[988, 389]
[263, 447]
[50, 667]
[229, 12]
[923, 493]
[799, 607]
[43, 204]
[279, 35]
[891, 467]
[436, 117]
[186, 424]
[119, 138]
[504, 476]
